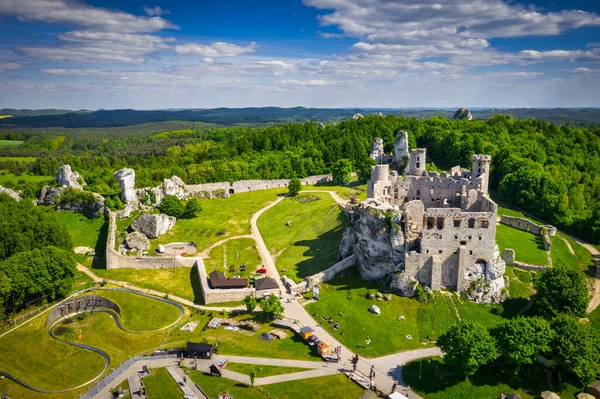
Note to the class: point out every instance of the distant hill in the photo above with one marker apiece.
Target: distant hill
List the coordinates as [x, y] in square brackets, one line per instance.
[232, 116]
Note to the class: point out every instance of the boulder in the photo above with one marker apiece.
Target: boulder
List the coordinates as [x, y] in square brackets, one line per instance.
[69, 179]
[126, 179]
[175, 186]
[404, 285]
[10, 193]
[376, 149]
[153, 225]
[463, 113]
[375, 309]
[137, 240]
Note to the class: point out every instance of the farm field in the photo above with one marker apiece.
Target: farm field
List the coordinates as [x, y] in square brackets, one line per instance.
[10, 143]
[328, 387]
[18, 159]
[311, 244]
[438, 381]
[6, 176]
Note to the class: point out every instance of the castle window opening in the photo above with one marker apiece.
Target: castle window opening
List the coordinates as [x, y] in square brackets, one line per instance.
[471, 223]
[470, 238]
[479, 238]
[405, 199]
[463, 243]
[485, 224]
[456, 237]
[231, 191]
[430, 223]
[418, 165]
[418, 192]
[426, 251]
[440, 237]
[396, 193]
[440, 223]
[471, 252]
[456, 222]
[440, 251]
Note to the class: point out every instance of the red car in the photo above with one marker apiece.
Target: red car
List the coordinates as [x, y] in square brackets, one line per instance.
[262, 270]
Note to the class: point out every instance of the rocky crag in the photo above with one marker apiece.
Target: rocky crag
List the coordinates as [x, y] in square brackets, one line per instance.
[10, 193]
[69, 179]
[463, 113]
[153, 225]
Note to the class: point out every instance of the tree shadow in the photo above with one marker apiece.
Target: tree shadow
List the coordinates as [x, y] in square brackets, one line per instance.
[196, 286]
[99, 259]
[512, 306]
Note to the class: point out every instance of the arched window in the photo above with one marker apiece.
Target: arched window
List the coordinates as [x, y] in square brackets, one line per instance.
[430, 222]
[440, 223]
[471, 223]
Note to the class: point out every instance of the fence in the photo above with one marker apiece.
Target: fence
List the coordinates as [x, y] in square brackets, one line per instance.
[110, 378]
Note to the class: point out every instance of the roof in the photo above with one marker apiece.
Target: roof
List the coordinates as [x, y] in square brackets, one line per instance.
[218, 280]
[196, 347]
[397, 395]
[134, 383]
[266, 283]
[306, 329]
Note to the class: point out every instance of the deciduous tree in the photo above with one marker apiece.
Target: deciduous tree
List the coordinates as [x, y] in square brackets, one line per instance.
[561, 290]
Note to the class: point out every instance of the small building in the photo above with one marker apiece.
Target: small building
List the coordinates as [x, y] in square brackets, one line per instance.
[266, 283]
[202, 351]
[594, 389]
[306, 332]
[324, 349]
[218, 280]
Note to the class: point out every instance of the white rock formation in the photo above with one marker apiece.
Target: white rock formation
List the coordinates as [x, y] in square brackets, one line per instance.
[404, 285]
[375, 309]
[10, 193]
[137, 241]
[69, 179]
[463, 113]
[401, 149]
[376, 149]
[486, 285]
[126, 179]
[357, 116]
[175, 186]
[153, 225]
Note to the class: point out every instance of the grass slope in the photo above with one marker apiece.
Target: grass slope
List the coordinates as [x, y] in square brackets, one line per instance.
[160, 385]
[528, 247]
[262, 370]
[83, 231]
[311, 243]
[238, 251]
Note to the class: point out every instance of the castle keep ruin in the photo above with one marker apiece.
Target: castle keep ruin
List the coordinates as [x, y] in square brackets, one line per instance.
[429, 228]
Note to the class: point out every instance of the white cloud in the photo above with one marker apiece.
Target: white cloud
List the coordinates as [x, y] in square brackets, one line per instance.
[80, 14]
[8, 65]
[311, 82]
[151, 11]
[216, 49]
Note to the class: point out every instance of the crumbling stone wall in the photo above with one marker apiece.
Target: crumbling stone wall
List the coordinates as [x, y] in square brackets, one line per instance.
[527, 225]
[244, 186]
[330, 273]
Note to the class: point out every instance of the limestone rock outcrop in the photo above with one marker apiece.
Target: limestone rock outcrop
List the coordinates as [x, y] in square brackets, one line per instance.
[376, 149]
[91, 210]
[175, 186]
[153, 225]
[486, 284]
[320, 126]
[126, 179]
[404, 285]
[357, 116]
[381, 114]
[401, 150]
[375, 236]
[137, 241]
[50, 195]
[463, 113]
[10, 193]
[69, 179]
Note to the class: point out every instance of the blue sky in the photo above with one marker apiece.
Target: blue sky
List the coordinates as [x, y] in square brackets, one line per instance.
[315, 53]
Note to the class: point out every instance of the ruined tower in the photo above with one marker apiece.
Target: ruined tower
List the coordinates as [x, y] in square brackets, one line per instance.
[379, 184]
[481, 168]
[417, 162]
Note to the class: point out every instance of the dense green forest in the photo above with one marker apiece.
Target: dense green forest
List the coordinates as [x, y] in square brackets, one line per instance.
[551, 171]
[36, 260]
[265, 115]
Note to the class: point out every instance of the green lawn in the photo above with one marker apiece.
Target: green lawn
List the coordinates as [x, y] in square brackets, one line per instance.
[329, 387]
[238, 251]
[353, 188]
[595, 318]
[311, 244]
[139, 313]
[529, 248]
[160, 385]
[10, 143]
[231, 215]
[83, 231]
[262, 370]
[242, 342]
[438, 381]
[18, 159]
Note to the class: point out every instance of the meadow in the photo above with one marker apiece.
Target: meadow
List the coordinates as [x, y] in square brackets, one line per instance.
[234, 253]
[10, 143]
[529, 248]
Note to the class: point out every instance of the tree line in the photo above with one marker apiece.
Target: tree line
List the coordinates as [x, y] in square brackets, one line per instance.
[550, 171]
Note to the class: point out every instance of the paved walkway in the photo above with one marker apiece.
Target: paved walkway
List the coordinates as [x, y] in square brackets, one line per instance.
[181, 381]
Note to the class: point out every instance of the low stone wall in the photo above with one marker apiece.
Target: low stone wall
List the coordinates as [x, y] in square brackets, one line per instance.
[527, 225]
[328, 274]
[527, 266]
[212, 295]
[245, 186]
[115, 260]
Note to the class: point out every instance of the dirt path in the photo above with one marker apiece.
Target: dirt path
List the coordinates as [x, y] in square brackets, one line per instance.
[568, 245]
[595, 301]
[204, 254]
[333, 194]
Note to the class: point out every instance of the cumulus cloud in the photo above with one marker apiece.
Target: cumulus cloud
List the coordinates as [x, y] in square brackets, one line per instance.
[80, 14]
[151, 11]
[216, 49]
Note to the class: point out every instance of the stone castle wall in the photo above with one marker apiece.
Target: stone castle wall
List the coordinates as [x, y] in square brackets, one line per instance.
[527, 225]
[115, 260]
[245, 186]
[328, 274]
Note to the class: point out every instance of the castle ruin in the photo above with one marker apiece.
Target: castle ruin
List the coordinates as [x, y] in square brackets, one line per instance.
[429, 228]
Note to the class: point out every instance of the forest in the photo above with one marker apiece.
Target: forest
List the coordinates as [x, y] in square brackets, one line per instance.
[548, 170]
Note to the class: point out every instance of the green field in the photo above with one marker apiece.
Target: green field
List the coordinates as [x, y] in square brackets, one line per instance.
[237, 252]
[160, 385]
[243, 342]
[438, 381]
[311, 244]
[329, 387]
[10, 143]
[18, 159]
[262, 370]
[6, 176]
[595, 318]
[353, 188]
[231, 215]
[83, 231]
[529, 248]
